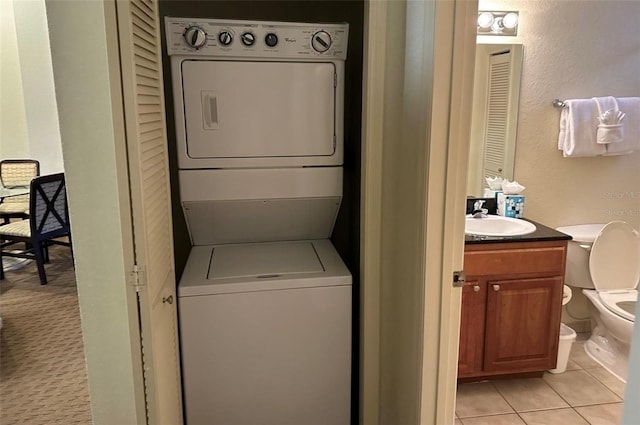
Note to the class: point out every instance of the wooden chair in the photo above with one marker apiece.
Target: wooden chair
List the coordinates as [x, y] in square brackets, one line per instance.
[48, 221]
[17, 172]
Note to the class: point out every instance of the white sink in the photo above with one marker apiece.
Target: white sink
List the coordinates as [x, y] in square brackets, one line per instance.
[495, 225]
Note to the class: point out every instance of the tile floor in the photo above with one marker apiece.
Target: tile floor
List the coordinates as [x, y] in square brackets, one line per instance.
[586, 394]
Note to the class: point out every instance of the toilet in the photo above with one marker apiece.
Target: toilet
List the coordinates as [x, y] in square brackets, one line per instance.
[604, 260]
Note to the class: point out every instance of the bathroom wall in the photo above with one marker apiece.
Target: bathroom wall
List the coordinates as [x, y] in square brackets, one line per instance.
[573, 50]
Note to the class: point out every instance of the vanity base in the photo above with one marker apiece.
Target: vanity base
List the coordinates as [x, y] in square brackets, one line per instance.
[511, 308]
[525, 375]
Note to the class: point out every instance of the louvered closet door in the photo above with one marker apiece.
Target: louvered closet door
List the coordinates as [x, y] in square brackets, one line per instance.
[497, 118]
[138, 26]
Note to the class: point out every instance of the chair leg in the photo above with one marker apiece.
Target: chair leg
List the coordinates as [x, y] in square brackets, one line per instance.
[38, 251]
[45, 251]
[73, 262]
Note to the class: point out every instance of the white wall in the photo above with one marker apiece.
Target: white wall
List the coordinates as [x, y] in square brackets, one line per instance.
[14, 138]
[37, 85]
[569, 53]
[29, 111]
[565, 57]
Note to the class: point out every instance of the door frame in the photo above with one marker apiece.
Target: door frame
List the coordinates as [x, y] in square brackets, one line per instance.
[447, 132]
[98, 191]
[91, 116]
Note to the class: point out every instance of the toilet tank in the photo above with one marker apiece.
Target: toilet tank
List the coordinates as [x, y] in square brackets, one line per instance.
[577, 270]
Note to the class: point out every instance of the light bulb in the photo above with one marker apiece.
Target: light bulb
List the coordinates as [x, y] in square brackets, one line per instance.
[485, 19]
[497, 25]
[510, 20]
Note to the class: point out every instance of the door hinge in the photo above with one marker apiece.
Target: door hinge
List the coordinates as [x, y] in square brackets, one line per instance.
[458, 279]
[137, 277]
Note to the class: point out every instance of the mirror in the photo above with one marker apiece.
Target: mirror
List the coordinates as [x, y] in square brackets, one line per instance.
[494, 116]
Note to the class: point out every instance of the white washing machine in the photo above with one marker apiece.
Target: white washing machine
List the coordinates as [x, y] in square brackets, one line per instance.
[264, 300]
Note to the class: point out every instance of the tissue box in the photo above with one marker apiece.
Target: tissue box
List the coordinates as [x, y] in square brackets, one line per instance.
[510, 205]
[490, 193]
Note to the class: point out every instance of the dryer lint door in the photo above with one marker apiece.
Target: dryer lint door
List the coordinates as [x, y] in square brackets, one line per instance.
[236, 110]
[614, 262]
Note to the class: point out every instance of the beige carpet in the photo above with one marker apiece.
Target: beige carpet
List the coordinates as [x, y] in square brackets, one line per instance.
[43, 377]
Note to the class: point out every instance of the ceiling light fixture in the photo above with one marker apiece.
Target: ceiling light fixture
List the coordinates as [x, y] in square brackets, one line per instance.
[498, 23]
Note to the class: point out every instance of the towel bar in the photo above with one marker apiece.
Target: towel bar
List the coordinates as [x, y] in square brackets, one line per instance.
[559, 103]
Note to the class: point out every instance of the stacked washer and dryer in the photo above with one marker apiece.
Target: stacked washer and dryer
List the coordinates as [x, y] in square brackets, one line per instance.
[264, 300]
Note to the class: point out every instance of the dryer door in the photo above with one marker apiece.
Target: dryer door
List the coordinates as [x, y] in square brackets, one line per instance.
[235, 110]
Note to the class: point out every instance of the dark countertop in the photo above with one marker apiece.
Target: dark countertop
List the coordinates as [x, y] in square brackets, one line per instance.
[542, 233]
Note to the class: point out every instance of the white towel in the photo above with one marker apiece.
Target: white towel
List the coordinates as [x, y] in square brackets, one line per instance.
[610, 121]
[631, 139]
[578, 126]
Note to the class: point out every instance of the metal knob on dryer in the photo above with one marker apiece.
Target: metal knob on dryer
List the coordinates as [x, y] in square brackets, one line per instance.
[248, 39]
[195, 37]
[225, 38]
[321, 41]
[271, 39]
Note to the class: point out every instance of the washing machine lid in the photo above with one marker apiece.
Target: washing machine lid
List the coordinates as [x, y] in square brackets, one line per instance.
[614, 262]
[266, 266]
[263, 260]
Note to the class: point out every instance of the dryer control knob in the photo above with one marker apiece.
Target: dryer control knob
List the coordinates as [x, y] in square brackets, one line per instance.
[225, 38]
[195, 37]
[248, 39]
[321, 41]
[271, 39]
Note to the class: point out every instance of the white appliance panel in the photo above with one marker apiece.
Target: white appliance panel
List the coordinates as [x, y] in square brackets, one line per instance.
[259, 205]
[263, 260]
[259, 109]
[260, 220]
[325, 268]
[246, 184]
[270, 357]
[295, 39]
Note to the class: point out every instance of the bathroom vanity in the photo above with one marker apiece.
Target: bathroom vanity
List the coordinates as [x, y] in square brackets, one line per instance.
[511, 303]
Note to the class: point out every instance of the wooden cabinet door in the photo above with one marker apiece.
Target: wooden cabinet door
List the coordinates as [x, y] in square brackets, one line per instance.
[522, 324]
[474, 295]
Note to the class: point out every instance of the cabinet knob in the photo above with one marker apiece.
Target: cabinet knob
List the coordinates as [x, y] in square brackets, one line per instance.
[496, 288]
[476, 288]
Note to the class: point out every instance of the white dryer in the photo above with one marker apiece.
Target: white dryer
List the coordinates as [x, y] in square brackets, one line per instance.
[264, 300]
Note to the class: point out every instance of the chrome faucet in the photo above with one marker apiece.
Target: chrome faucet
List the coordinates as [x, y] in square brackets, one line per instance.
[478, 211]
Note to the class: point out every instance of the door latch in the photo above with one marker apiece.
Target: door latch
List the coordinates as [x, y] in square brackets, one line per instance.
[458, 279]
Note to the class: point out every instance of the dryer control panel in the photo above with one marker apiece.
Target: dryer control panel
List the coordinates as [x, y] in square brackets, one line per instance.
[235, 38]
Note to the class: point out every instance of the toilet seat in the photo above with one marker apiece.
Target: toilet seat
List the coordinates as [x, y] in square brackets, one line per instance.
[614, 264]
[613, 301]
